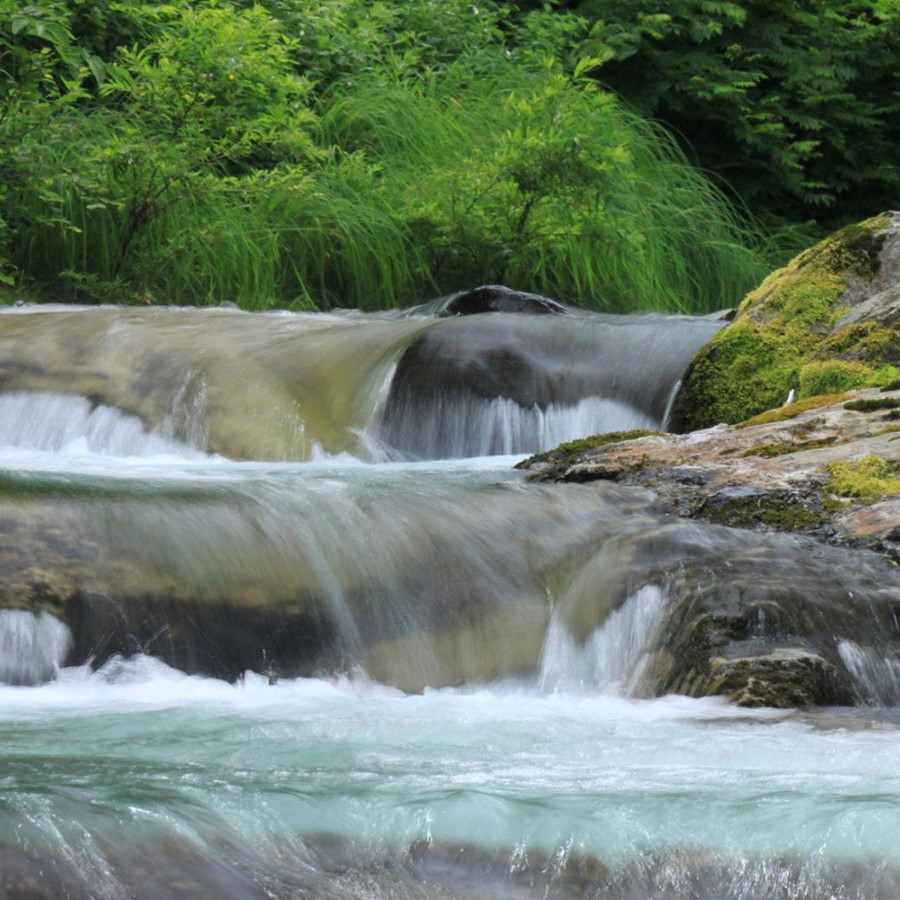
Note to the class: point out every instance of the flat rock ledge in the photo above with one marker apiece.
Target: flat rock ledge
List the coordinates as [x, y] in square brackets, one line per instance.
[827, 467]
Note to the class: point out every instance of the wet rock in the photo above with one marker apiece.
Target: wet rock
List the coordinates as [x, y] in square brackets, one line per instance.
[496, 298]
[789, 470]
[446, 378]
[787, 677]
[768, 626]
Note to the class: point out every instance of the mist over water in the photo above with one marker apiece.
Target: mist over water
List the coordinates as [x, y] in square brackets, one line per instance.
[465, 723]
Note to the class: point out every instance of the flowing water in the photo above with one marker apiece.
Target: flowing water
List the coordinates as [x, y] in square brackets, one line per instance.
[358, 657]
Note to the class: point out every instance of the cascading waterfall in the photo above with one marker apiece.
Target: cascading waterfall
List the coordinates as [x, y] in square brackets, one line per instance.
[495, 384]
[290, 387]
[69, 425]
[876, 672]
[274, 622]
[610, 658]
[501, 427]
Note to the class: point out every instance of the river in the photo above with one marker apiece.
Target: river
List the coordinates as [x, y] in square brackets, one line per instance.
[387, 667]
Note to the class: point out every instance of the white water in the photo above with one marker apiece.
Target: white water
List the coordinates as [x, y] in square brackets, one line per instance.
[70, 427]
[878, 673]
[32, 646]
[609, 660]
[458, 429]
[145, 752]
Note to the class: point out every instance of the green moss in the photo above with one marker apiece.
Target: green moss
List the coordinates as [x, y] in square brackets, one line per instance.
[833, 376]
[775, 510]
[872, 341]
[857, 248]
[595, 441]
[786, 338]
[768, 451]
[792, 518]
[567, 452]
[793, 409]
[871, 404]
[870, 476]
[888, 429]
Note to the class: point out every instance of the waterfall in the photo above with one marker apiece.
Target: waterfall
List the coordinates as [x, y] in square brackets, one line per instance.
[69, 425]
[377, 386]
[278, 619]
[453, 429]
[877, 674]
[32, 646]
[495, 384]
[609, 660]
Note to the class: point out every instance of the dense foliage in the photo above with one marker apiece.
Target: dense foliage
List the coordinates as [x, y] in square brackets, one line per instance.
[793, 104]
[374, 153]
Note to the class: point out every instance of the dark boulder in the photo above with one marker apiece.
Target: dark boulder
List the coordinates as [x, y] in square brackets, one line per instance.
[489, 298]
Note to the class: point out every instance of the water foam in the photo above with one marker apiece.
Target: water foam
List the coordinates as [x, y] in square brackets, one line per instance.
[70, 425]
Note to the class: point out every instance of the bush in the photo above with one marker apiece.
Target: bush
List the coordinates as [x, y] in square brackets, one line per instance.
[341, 153]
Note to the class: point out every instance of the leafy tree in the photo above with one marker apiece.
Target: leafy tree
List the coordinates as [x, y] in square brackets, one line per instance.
[42, 72]
[342, 152]
[793, 104]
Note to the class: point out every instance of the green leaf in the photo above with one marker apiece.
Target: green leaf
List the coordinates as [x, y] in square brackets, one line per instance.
[585, 65]
[96, 66]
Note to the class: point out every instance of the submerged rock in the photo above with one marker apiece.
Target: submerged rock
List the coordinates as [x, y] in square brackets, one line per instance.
[827, 322]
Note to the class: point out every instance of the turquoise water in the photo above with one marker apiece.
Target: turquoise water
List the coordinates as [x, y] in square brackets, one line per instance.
[100, 770]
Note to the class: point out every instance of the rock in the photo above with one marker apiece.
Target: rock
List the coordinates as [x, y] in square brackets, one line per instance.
[762, 619]
[763, 622]
[796, 469]
[827, 322]
[490, 298]
[784, 678]
[448, 373]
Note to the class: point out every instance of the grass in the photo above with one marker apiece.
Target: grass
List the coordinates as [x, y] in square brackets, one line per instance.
[420, 186]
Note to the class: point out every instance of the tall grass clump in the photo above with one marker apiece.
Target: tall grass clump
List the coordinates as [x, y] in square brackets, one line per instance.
[545, 182]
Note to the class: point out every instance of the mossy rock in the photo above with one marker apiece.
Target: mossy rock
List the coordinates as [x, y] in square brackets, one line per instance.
[785, 678]
[777, 510]
[826, 323]
[792, 410]
[565, 454]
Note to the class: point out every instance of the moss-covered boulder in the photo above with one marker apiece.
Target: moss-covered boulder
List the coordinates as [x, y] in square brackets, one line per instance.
[827, 322]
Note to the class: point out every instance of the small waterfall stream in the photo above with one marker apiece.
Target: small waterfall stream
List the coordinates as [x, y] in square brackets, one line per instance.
[611, 658]
[278, 618]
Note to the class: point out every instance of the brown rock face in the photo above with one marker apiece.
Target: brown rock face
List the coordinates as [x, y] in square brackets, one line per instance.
[800, 469]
